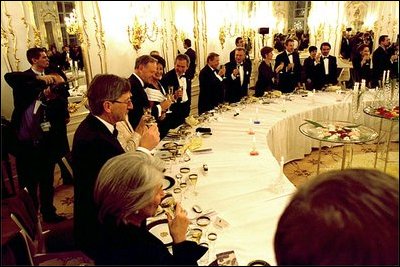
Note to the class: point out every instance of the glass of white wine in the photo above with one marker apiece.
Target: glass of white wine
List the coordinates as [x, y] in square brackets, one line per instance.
[170, 96]
[149, 119]
[193, 180]
[212, 236]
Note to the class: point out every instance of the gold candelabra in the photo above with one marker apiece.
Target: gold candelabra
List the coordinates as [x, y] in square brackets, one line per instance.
[71, 23]
[138, 33]
[227, 30]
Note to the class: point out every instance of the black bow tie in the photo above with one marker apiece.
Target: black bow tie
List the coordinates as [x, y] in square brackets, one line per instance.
[182, 76]
[115, 132]
[289, 54]
[325, 57]
[215, 70]
[239, 64]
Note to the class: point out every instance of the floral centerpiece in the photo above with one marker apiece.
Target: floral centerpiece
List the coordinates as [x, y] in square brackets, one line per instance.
[388, 113]
[336, 132]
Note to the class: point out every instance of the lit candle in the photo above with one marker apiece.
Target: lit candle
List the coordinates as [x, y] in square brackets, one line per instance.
[356, 86]
[76, 64]
[387, 76]
[254, 151]
[384, 76]
[251, 132]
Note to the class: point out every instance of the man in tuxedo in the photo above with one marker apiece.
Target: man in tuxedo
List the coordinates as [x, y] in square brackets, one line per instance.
[345, 47]
[288, 68]
[182, 90]
[95, 141]
[211, 84]
[192, 56]
[145, 68]
[39, 119]
[237, 77]
[239, 42]
[310, 69]
[381, 59]
[328, 66]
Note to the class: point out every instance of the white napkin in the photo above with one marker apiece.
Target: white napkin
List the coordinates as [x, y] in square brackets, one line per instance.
[154, 95]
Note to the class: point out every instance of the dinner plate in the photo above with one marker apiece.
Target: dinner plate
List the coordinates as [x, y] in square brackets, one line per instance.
[258, 263]
[160, 230]
[170, 145]
[168, 182]
[163, 154]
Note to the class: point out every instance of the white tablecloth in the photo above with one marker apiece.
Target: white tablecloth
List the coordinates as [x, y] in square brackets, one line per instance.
[249, 192]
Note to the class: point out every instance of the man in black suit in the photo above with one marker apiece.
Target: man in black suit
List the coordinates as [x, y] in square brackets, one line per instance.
[310, 69]
[39, 118]
[328, 66]
[239, 42]
[345, 47]
[288, 68]
[381, 59]
[182, 90]
[145, 68]
[211, 84]
[192, 56]
[95, 141]
[237, 77]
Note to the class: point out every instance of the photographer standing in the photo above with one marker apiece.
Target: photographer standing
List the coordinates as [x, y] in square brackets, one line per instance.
[39, 120]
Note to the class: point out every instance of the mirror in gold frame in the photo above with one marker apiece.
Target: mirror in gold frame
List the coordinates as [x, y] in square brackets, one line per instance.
[58, 24]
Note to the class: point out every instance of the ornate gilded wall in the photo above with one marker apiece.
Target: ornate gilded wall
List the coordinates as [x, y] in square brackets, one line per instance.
[109, 47]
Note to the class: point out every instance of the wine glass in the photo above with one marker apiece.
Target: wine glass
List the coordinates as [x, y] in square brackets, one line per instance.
[149, 119]
[183, 186]
[193, 180]
[212, 236]
[170, 96]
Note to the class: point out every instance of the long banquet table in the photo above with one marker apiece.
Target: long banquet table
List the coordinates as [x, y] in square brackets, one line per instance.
[251, 192]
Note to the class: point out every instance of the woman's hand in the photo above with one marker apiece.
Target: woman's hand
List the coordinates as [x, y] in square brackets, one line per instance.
[280, 67]
[165, 104]
[178, 225]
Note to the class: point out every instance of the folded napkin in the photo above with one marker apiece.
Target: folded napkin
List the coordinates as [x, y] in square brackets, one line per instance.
[276, 93]
[191, 121]
[193, 144]
[154, 95]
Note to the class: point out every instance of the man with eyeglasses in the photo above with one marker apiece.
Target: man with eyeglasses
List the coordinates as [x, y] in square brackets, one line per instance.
[95, 141]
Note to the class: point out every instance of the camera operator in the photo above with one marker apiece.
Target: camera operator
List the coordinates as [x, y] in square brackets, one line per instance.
[39, 120]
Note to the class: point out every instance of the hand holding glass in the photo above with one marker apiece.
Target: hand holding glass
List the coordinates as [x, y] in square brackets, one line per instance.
[170, 96]
[149, 119]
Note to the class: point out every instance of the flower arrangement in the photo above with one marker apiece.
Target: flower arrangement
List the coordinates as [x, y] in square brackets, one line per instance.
[335, 132]
[388, 113]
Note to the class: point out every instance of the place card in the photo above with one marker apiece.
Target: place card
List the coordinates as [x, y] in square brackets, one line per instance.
[220, 223]
[227, 258]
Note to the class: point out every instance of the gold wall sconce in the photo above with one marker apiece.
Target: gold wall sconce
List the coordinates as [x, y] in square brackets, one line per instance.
[227, 30]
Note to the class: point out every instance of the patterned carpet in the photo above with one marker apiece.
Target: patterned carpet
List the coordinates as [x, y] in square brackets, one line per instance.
[300, 171]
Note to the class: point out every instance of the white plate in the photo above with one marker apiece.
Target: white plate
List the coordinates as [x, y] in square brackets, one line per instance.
[160, 230]
[168, 182]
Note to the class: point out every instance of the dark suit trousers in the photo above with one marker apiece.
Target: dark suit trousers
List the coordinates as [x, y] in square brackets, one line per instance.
[36, 170]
